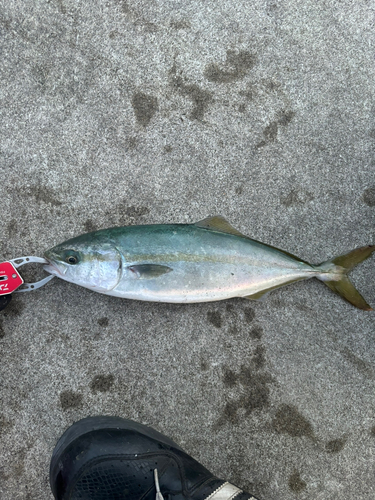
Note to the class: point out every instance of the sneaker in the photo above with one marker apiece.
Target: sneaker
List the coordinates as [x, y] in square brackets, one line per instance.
[111, 458]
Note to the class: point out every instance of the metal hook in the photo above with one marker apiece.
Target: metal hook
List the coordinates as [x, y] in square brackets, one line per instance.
[20, 261]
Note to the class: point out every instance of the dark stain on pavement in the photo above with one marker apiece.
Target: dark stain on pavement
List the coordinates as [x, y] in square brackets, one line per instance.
[5, 424]
[236, 67]
[15, 308]
[102, 383]
[271, 130]
[256, 332]
[296, 197]
[131, 143]
[204, 366]
[372, 431]
[286, 117]
[214, 317]
[12, 228]
[254, 393]
[288, 420]
[369, 196]
[136, 18]
[200, 98]
[103, 322]
[249, 314]
[259, 357]
[89, 226]
[296, 484]
[145, 106]
[335, 445]
[181, 24]
[2, 333]
[362, 366]
[45, 195]
[70, 399]
[136, 211]
[229, 378]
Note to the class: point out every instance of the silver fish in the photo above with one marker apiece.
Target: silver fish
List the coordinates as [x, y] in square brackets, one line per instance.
[183, 263]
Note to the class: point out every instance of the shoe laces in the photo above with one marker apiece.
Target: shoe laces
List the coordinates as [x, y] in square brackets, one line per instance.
[159, 496]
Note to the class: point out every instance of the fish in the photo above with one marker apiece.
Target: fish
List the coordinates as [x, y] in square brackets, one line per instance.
[185, 263]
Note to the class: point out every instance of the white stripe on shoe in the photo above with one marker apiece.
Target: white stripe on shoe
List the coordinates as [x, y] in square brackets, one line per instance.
[226, 491]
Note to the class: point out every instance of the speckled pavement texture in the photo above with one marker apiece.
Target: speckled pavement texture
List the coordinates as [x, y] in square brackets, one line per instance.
[132, 112]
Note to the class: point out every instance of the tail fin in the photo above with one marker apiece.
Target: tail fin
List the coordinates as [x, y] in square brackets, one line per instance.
[335, 271]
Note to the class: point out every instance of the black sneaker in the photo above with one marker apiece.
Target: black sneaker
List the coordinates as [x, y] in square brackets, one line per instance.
[111, 458]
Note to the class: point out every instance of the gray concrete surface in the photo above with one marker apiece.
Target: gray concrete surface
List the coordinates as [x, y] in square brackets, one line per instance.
[115, 113]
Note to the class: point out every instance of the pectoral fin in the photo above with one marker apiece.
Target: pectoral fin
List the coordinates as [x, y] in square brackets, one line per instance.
[149, 271]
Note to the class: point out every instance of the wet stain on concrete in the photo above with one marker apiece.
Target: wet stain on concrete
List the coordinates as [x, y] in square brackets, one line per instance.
[14, 309]
[296, 197]
[259, 357]
[61, 7]
[256, 333]
[102, 383]
[295, 483]
[229, 378]
[5, 425]
[44, 195]
[335, 445]
[182, 24]
[254, 389]
[89, 226]
[103, 322]
[214, 317]
[289, 421]
[131, 143]
[271, 130]
[145, 106]
[70, 399]
[236, 67]
[372, 431]
[136, 211]
[204, 366]
[200, 98]
[12, 228]
[19, 464]
[369, 196]
[40, 75]
[249, 314]
[362, 366]
[286, 117]
[136, 18]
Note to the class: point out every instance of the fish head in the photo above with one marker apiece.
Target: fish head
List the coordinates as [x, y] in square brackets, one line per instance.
[87, 261]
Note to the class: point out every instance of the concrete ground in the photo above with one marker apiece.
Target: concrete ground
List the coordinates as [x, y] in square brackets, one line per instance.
[132, 112]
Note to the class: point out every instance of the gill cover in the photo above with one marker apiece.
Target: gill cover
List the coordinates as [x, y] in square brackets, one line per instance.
[94, 265]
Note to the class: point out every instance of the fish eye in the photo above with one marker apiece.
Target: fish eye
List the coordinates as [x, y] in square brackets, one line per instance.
[71, 259]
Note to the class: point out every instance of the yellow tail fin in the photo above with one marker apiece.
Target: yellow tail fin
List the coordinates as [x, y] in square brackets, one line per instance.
[335, 271]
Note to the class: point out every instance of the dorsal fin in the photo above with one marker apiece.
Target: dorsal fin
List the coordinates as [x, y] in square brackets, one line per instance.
[218, 223]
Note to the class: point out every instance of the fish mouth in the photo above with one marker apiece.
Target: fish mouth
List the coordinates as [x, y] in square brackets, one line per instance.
[54, 268]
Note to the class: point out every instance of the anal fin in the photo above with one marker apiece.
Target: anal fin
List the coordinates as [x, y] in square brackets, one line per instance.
[262, 293]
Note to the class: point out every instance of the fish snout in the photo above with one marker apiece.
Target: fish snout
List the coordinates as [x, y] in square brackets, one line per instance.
[54, 266]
